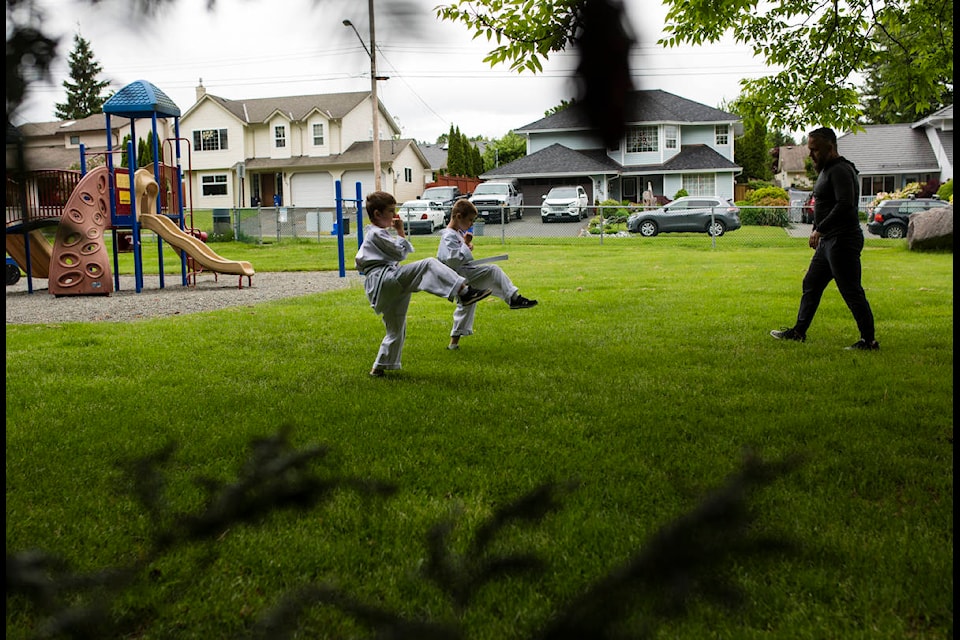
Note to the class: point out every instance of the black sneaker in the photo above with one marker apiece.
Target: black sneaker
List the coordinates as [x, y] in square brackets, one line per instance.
[519, 302]
[863, 345]
[471, 295]
[788, 334]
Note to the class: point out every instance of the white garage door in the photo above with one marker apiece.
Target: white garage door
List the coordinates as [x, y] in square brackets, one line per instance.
[312, 190]
[349, 184]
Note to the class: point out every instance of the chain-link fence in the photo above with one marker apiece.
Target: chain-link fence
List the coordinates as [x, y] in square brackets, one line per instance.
[714, 226]
[276, 224]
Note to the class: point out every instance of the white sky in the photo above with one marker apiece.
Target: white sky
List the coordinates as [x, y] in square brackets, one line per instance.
[263, 48]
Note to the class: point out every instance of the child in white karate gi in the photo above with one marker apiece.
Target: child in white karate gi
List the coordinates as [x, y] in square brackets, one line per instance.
[389, 284]
[456, 251]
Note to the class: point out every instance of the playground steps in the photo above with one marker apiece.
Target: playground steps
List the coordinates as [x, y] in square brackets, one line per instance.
[40, 253]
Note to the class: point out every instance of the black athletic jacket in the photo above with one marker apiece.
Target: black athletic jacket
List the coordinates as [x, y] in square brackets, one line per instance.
[837, 194]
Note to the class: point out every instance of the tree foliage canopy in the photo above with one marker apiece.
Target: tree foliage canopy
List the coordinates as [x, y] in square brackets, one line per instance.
[816, 51]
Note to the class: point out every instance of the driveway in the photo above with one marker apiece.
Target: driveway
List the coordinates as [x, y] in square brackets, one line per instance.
[798, 230]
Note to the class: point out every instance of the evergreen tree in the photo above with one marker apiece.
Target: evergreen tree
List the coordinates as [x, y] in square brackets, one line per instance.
[145, 152]
[123, 151]
[752, 150]
[455, 165]
[84, 94]
[476, 165]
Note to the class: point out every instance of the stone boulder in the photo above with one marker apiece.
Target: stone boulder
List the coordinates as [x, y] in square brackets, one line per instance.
[932, 229]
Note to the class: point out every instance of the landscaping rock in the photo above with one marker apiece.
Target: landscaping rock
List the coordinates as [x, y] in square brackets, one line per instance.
[931, 229]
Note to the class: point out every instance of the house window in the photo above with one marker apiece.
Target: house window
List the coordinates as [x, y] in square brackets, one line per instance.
[872, 185]
[700, 184]
[280, 136]
[722, 135]
[74, 140]
[640, 139]
[670, 136]
[318, 135]
[408, 175]
[210, 139]
[215, 185]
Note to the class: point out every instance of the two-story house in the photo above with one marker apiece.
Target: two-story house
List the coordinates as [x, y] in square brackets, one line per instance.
[671, 143]
[292, 150]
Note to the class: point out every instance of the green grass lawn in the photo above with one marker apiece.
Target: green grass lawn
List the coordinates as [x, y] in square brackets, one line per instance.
[643, 376]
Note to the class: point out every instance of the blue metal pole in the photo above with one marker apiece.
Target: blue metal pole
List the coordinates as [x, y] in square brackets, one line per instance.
[359, 214]
[137, 255]
[343, 271]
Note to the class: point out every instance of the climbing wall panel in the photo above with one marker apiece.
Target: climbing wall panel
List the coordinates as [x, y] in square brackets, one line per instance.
[80, 264]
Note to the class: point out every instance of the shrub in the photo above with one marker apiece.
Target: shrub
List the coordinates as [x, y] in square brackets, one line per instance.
[680, 194]
[765, 207]
[756, 185]
[768, 195]
[945, 192]
[609, 212]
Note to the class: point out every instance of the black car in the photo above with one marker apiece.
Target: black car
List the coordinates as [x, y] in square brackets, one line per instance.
[890, 218]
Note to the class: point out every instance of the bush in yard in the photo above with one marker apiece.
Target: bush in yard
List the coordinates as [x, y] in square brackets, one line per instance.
[765, 207]
[945, 192]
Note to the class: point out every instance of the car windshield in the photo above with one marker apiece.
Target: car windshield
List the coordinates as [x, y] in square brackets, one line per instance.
[438, 193]
[563, 192]
[490, 189]
[415, 204]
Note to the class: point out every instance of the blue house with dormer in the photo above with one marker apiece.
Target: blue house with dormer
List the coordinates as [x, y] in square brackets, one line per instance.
[670, 143]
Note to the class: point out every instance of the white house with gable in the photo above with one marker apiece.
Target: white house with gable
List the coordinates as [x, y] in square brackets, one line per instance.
[292, 150]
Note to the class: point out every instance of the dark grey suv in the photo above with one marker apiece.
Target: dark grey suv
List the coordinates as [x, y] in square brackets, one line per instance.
[890, 218]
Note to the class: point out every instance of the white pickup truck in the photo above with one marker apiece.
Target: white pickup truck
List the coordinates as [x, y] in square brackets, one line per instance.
[496, 199]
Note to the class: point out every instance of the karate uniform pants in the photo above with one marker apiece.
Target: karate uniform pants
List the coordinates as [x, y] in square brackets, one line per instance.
[481, 276]
[396, 287]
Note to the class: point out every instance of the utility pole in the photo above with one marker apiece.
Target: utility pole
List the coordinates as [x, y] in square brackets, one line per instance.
[372, 53]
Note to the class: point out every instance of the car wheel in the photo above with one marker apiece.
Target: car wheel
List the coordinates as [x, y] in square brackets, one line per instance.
[648, 228]
[895, 231]
[519, 213]
[716, 228]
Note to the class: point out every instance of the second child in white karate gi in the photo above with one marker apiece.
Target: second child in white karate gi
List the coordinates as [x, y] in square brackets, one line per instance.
[456, 251]
[389, 284]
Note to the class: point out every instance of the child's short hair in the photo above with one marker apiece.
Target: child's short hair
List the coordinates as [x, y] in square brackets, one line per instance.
[378, 201]
[462, 208]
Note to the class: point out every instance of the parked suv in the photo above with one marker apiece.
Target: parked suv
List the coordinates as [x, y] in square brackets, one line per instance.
[495, 199]
[890, 218]
[707, 214]
[563, 203]
[446, 196]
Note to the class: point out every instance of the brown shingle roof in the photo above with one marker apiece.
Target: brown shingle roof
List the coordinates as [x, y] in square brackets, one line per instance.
[297, 108]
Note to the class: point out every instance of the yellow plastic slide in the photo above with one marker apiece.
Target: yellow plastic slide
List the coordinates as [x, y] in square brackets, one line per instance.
[40, 252]
[195, 248]
[146, 189]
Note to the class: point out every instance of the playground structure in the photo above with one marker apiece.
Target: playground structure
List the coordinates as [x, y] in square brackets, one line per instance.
[105, 199]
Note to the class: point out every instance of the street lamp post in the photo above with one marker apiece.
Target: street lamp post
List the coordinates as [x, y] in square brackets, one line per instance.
[372, 52]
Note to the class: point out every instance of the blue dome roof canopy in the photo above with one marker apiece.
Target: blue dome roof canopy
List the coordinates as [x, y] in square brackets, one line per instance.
[140, 99]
